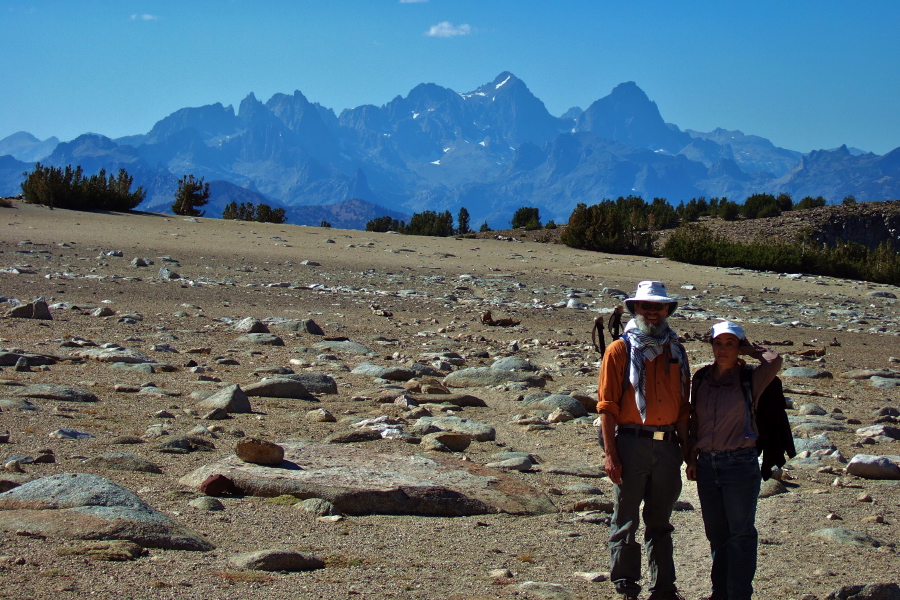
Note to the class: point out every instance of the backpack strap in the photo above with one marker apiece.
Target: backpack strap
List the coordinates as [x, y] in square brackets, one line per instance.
[695, 381]
[747, 385]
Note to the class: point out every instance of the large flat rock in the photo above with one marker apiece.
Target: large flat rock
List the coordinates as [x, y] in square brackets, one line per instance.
[89, 507]
[362, 481]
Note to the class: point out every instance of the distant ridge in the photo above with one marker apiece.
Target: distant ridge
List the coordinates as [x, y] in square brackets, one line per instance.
[492, 150]
[349, 214]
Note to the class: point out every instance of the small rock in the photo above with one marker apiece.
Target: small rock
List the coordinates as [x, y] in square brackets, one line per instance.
[70, 434]
[119, 461]
[445, 441]
[871, 591]
[216, 414]
[320, 415]
[218, 485]
[278, 387]
[512, 464]
[112, 550]
[250, 325]
[207, 503]
[847, 536]
[319, 507]
[260, 452]
[594, 504]
[261, 339]
[592, 577]
[546, 591]
[868, 466]
[277, 560]
[232, 399]
[183, 444]
[772, 487]
[13, 466]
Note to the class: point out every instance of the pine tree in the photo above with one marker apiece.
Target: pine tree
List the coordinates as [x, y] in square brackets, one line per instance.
[191, 194]
[463, 219]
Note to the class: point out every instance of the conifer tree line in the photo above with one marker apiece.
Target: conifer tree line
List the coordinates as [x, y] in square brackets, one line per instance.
[631, 225]
[247, 211]
[428, 222]
[68, 187]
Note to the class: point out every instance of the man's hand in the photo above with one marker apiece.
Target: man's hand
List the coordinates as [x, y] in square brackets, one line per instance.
[613, 468]
[612, 465]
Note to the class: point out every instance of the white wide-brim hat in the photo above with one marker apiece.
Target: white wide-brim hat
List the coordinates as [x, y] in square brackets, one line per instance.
[651, 291]
[727, 327]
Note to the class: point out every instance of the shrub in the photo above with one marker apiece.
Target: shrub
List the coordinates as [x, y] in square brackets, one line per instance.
[526, 217]
[385, 224]
[532, 225]
[809, 202]
[430, 223]
[484, 228]
[69, 188]
[848, 200]
[191, 194]
[622, 227]
[325, 224]
[697, 244]
[688, 212]
[267, 214]
[662, 214]
[551, 224]
[759, 206]
[728, 210]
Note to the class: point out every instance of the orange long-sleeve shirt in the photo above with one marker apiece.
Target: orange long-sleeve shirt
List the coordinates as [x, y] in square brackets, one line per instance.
[667, 398]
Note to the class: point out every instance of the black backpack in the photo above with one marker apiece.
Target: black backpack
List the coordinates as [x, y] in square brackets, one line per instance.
[774, 438]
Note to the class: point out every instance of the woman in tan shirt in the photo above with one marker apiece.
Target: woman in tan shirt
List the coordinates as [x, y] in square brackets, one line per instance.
[724, 459]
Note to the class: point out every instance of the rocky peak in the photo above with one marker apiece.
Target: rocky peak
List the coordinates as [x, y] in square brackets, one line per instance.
[628, 116]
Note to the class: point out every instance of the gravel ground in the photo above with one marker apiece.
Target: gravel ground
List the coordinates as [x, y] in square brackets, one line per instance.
[435, 291]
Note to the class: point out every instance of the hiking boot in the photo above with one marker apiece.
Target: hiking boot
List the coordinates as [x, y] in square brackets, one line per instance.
[669, 595]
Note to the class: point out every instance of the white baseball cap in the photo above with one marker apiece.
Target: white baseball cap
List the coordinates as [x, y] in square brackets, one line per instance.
[727, 327]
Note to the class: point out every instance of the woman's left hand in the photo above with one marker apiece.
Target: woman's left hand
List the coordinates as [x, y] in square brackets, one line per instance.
[751, 350]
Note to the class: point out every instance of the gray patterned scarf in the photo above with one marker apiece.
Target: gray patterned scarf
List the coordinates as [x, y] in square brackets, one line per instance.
[646, 348]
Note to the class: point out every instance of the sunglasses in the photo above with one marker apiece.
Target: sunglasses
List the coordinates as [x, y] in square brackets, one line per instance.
[651, 306]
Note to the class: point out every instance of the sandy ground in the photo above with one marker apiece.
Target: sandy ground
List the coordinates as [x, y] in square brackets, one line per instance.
[435, 290]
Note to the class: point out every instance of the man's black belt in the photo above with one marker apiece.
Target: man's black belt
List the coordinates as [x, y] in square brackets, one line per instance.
[661, 436]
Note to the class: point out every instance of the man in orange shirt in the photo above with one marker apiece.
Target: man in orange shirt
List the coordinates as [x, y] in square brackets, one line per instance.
[643, 404]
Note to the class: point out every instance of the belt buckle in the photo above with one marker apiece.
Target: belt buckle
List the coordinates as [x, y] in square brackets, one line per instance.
[659, 435]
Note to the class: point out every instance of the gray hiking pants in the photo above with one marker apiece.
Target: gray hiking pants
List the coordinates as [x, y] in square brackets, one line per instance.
[651, 473]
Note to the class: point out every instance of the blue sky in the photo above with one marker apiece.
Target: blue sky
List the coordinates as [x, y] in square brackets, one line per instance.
[807, 75]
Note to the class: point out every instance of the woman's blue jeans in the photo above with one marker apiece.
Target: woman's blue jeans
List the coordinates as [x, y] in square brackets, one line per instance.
[728, 485]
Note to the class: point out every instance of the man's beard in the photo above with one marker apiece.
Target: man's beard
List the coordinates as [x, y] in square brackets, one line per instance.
[653, 330]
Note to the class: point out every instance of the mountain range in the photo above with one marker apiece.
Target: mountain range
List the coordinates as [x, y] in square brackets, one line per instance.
[491, 151]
